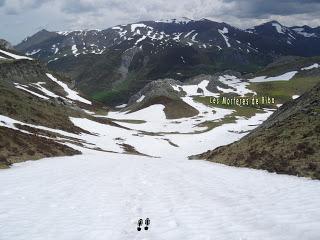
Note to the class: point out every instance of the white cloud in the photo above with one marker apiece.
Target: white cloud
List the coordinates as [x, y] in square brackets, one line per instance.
[30, 15]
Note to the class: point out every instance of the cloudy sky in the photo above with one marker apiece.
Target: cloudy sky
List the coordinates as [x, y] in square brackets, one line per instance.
[22, 18]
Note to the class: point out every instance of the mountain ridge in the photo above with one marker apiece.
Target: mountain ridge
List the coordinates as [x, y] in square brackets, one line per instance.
[112, 64]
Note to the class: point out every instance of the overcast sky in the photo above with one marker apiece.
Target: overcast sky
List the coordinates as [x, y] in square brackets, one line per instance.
[22, 18]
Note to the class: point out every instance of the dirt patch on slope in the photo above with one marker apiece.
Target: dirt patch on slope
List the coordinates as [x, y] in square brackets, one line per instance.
[16, 146]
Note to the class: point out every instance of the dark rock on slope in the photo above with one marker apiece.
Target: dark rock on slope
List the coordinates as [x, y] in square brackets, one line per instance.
[288, 142]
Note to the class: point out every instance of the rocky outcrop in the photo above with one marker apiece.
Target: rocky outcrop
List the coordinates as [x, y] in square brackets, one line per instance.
[126, 60]
[5, 45]
[158, 88]
[213, 79]
[162, 92]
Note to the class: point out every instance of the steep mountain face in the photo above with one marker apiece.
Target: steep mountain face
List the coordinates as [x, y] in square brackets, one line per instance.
[35, 108]
[112, 64]
[287, 142]
[275, 38]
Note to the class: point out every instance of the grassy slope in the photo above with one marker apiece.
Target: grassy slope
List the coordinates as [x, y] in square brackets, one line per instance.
[16, 146]
[282, 91]
[27, 108]
[288, 142]
[239, 111]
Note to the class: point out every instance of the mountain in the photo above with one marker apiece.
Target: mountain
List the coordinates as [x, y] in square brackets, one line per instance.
[201, 34]
[36, 105]
[111, 65]
[287, 142]
[274, 37]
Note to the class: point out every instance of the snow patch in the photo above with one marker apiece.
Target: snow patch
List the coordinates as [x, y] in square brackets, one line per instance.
[121, 106]
[284, 77]
[140, 99]
[316, 65]
[44, 90]
[223, 32]
[74, 50]
[236, 85]
[189, 33]
[137, 25]
[192, 90]
[14, 56]
[33, 52]
[295, 96]
[140, 39]
[25, 88]
[71, 94]
[302, 32]
[278, 27]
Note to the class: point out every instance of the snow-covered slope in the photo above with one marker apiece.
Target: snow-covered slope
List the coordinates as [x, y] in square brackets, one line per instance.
[9, 55]
[202, 34]
[102, 195]
[139, 169]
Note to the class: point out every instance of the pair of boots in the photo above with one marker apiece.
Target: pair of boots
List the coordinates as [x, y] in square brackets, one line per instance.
[146, 222]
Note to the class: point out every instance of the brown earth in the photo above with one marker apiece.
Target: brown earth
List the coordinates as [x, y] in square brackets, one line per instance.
[174, 109]
[16, 146]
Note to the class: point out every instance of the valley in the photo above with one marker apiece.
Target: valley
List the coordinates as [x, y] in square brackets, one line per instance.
[100, 128]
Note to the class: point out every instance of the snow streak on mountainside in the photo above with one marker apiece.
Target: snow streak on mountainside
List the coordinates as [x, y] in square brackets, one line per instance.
[9, 55]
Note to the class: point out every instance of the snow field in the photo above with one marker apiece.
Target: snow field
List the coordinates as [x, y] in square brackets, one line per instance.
[101, 195]
[105, 194]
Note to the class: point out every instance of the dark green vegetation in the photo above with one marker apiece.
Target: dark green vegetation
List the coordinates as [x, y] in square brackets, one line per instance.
[288, 142]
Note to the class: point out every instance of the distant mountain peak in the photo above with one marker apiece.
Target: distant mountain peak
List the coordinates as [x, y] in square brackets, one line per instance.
[176, 20]
[273, 25]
